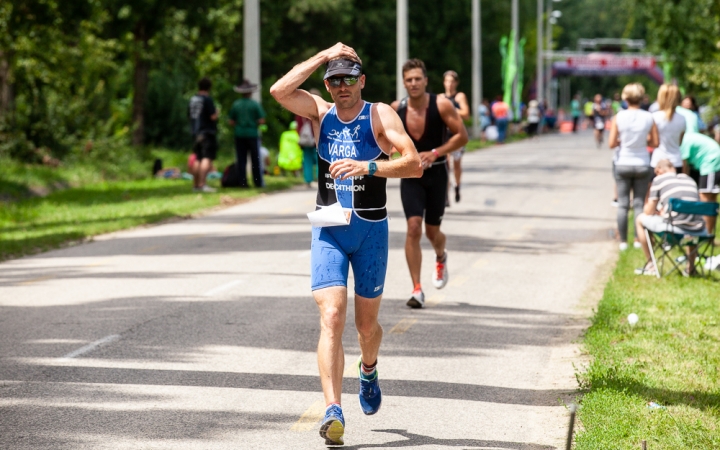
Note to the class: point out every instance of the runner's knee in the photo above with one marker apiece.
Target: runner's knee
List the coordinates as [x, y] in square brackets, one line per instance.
[414, 230]
[367, 327]
[432, 232]
[332, 319]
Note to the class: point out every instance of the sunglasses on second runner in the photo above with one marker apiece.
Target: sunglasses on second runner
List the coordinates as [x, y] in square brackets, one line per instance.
[335, 82]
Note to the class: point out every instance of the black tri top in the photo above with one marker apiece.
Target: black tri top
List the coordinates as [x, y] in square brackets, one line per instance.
[434, 134]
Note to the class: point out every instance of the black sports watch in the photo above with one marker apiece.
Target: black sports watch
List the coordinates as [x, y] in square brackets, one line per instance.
[372, 168]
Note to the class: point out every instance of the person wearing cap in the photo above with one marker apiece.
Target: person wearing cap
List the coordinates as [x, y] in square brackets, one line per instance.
[427, 118]
[355, 139]
[245, 115]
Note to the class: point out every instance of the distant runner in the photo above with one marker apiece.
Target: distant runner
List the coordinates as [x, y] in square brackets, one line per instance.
[426, 118]
[599, 112]
[459, 101]
[355, 139]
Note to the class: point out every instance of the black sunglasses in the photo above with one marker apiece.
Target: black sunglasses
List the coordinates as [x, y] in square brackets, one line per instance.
[335, 82]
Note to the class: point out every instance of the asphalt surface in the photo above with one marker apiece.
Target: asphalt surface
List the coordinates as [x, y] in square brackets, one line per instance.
[201, 334]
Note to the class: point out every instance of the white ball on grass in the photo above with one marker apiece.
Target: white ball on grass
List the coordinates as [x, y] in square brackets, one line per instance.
[633, 318]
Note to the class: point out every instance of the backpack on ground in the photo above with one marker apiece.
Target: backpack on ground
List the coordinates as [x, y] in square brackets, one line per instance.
[230, 177]
[306, 135]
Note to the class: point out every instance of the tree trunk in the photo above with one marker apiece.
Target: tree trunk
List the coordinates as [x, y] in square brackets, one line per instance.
[140, 82]
[6, 91]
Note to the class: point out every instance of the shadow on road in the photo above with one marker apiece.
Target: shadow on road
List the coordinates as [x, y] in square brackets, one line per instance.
[419, 440]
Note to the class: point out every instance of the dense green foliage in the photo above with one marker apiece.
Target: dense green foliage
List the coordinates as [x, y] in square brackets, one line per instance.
[85, 76]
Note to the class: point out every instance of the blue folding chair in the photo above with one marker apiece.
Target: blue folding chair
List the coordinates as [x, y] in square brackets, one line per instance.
[700, 244]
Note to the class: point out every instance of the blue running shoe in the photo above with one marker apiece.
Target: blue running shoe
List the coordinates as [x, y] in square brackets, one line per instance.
[333, 426]
[370, 395]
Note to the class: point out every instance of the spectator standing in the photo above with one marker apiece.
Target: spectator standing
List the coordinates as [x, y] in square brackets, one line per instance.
[692, 124]
[588, 110]
[246, 115]
[308, 144]
[203, 122]
[533, 118]
[631, 132]
[484, 113]
[690, 104]
[702, 153]
[501, 112]
[655, 217]
[670, 125]
[575, 111]
[616, 104]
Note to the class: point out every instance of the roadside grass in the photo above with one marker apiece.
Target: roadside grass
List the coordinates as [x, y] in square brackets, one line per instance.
[43, 223]
[670, 358]
[20, 180]
[477, 144]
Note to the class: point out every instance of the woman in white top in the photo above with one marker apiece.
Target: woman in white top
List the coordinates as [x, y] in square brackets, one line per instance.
[671, 127]
[631, 132]
[533, 118]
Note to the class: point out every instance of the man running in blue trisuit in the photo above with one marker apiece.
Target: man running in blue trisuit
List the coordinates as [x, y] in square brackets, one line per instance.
[354, 141]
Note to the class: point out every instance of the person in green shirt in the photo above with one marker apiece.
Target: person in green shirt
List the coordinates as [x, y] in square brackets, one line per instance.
[245, 116]
[702, 153]
[588, 110]
[691, 120]
[616, 104]
[575, 111]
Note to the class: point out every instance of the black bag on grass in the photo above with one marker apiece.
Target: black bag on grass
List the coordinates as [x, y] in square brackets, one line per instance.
[230, 177]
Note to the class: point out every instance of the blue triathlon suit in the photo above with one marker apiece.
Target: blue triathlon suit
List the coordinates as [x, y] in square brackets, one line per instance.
[364, 242]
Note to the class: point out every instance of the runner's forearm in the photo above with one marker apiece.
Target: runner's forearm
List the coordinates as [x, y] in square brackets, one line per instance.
[406, 166]
[454, 143]
[297, 76]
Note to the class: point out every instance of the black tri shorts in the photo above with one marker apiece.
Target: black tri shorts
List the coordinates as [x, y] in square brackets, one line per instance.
[205, 146]
[425, 196]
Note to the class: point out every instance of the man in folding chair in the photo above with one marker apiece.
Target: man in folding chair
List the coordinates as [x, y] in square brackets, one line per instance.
[657, 218]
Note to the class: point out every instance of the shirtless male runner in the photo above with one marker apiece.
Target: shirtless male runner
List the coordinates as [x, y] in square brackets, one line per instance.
[354, 141]
[459, 101]
[426, 118]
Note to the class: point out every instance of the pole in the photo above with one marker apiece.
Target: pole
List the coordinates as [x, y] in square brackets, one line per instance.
[251, 45]
[516, 31]
[540, 68]
[549, 49]
[476, 68]
[402, 46]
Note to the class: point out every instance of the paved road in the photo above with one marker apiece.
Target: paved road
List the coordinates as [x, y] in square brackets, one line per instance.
[201, 334]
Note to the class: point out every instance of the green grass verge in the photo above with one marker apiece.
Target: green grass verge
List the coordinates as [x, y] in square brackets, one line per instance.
[42, 223]
[20, 180]
[671, 357]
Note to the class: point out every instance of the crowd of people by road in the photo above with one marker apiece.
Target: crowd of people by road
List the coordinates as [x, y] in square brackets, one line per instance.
[660, 153]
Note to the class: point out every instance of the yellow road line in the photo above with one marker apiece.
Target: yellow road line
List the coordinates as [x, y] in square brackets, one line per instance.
[458, 281]
[403, 325]
[497, 249]
[37, 280]
[515, 237]
[434, 300]
[480, 263]
[309, 419]
[149, 249]
[194, 236]
[99, 262]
